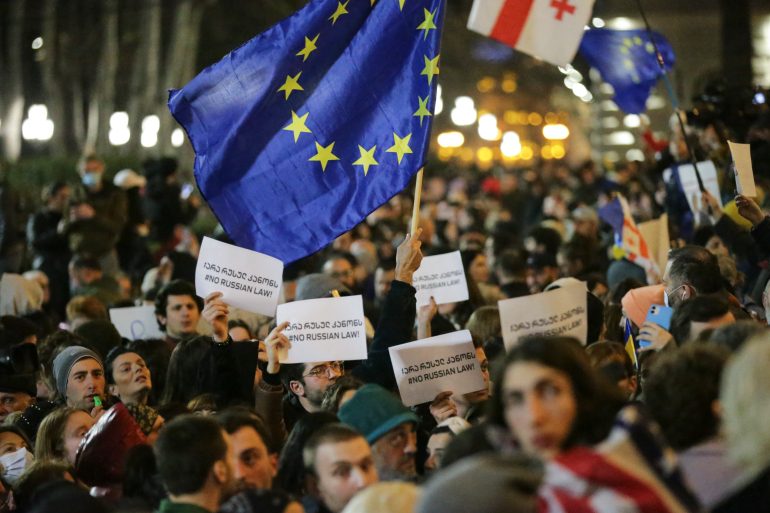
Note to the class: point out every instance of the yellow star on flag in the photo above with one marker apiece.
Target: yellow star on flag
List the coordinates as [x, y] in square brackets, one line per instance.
[341, 9]
[310, 47]
[401, 146]
[291, 85]
[323, 155]
[431, 68]
[423, 111]
[428, 24]
[401, 4]
[367, 158]
[297, 125]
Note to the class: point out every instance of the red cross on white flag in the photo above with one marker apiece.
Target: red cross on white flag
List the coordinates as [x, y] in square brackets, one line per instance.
[550, 30]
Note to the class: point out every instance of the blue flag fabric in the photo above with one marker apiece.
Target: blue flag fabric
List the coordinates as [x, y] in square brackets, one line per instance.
[626, 60]
[303, 131]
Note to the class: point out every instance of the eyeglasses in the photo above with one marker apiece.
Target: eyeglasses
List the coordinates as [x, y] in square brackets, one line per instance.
[326, 369]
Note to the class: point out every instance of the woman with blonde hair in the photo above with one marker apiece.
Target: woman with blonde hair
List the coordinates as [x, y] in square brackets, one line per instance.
[60, 434]
[745, 417]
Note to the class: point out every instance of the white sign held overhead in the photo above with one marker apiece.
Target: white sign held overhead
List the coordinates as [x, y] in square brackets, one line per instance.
[247, 279]
[443, 277]
[425, 368]
[560, 312]
[326, 329]
[744, 172]
[136, 322]
[690, 187]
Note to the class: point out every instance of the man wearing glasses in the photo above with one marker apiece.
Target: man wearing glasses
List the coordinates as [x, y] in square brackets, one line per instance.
[306, 384]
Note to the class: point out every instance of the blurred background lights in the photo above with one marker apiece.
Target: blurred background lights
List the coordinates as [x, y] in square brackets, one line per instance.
[37, 126]
[119, 134]
[464, 112]
[451, 139]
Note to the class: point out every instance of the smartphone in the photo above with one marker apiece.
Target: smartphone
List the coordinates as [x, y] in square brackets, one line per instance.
[660, 315]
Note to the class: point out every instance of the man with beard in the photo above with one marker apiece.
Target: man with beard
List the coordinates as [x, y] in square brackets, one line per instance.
[79, 376]
[388, 426]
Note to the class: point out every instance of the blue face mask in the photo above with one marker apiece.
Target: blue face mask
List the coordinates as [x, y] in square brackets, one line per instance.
[14, 463]
[91, 179]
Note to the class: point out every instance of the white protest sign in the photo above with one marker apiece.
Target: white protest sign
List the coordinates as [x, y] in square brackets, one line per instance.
[655, 234]
[425, 368]
[690, 187]
[744, 173]
[136, 322]
[443, 277]
[321, 330]
[247, 279]
[559, 312]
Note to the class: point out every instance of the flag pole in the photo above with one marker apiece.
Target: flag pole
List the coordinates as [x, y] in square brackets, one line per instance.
[671, 94]
[417, 199]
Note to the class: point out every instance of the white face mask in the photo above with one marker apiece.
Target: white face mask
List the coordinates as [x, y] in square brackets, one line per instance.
[14, 464]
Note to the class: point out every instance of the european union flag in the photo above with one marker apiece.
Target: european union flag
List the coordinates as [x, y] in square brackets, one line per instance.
[626, 60]
[303, 131]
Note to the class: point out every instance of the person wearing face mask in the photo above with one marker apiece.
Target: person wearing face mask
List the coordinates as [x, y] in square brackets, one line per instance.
[95, 222]
[15, 454]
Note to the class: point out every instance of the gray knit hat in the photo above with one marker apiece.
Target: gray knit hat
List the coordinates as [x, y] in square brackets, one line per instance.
[64, 362]
[317, 285]
[492, 483]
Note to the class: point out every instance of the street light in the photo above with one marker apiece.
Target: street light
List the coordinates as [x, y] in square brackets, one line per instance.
[451, 139]
[119, 132]
[464, 113]
[177, 138]
[37, 126]
[150, 127]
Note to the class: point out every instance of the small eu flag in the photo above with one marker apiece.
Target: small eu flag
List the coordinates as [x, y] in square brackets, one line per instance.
[626, 60]
[303, 131]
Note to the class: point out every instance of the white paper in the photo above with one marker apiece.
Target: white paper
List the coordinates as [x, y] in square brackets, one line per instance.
[443, 277]
[708, 174]
[655, 234]
[744, 172]
[247, 279]
[322, 330]
[425, 368]
[136, 322]
[560, 312]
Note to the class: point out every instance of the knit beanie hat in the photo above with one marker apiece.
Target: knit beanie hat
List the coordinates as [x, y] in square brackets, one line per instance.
[491, 482]
[373, 411]
[317, 285]
[64, 362]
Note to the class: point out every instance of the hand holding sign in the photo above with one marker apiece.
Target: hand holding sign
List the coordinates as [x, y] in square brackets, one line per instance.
[749, 209]
[443, 407]
[215, 311]
[277, 346]
[408, 257]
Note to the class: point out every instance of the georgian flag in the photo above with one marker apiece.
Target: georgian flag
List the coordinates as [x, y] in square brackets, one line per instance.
[550, 30]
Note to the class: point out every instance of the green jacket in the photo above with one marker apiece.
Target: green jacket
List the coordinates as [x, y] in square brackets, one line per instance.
[166, 506]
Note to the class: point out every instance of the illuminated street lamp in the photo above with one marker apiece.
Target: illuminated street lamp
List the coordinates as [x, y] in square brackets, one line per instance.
[37, 126]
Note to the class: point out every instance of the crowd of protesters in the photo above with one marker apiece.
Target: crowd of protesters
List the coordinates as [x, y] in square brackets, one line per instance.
[207, 418]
